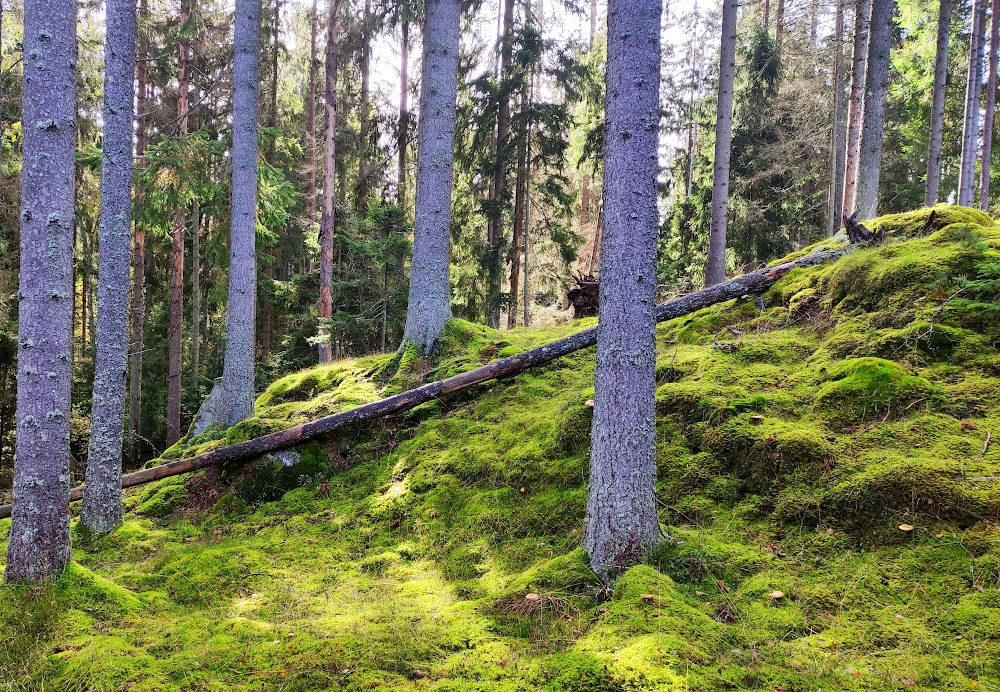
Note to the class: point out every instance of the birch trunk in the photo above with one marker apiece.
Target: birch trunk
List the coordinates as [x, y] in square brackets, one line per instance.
[991, 99]
[933, 190]
[429, 307]
[859, 65]
[873, 119]
[326, 227]
[715, 270]
[970, 121]
[238, 368]
[39, 543]
[621, 522]
[101, 511]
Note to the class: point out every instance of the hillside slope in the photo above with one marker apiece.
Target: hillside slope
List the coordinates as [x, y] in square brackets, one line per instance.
[828, 485]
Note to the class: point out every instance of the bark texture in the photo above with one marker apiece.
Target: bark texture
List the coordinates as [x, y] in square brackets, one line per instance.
[102, 506]
[932, 191]
[621, 504]
[715, 269]
[238, 370]
[429, 307]
[873, 119]
[749, 284]
[326, 226]
[970, 121]
[404, 112]
[39, 546]
[838, 143]
[859, 64]
[991, 100]
[311, 115]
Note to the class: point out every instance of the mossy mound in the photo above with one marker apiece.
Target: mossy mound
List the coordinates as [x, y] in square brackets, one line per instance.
[826, 475]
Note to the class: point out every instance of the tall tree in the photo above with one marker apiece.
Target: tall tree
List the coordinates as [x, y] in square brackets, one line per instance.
[991, 99]
[859, 65]
[402, 133]
[970, 121]
[177, 235]
[311, 115]
[873, 118]
[932, 190]
[326, 227]
[39, 544]
[362, 186]
[838, 145]
[429, 307]
[715, 270]
[102, 504]
[621, 506]
[238, 369]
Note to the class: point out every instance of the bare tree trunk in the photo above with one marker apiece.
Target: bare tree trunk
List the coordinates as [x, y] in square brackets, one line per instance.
[970, 122]
[176, 323]
[311, 116]
[362, 189]
[593, 22]
[715, 269]
[621, 522]
[873, 120]
[837, 148]
[932, 191]
[520, 194]
[39, 545]
[272, 111]
[404, 113]
[196, 295]
[767, 14]
[429, 307]
[326, 228]
[238, 369]
[779, 25]
[84, 290]
[991, 99]
[859, 65]
[102, 505]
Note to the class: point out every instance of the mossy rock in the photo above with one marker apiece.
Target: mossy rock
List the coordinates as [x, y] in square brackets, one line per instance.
[913, 224]
[862, 389]
[159, 499]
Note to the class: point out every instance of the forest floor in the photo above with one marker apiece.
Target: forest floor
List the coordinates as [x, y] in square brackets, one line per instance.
[828, 486]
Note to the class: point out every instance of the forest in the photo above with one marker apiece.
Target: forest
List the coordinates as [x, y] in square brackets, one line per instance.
[564, 345]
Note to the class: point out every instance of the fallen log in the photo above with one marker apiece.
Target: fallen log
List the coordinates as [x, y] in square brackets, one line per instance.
[748, 284]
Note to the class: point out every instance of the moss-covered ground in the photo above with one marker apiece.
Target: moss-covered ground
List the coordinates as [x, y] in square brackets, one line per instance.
[827, 483]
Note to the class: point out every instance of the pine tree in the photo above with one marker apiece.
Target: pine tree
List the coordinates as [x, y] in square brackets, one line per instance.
[970, 121]
[873, 118]
[326, 227]
[988, 117]
[932, 191]
[859, 65]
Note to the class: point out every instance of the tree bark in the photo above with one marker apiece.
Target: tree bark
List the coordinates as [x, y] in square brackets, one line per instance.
[196, 295]
[238, 368]
[873, 119]
[311, 115]
[326, 228]
[362, 189]
[991, 99]
[622, 524]
[495, 225]
[429, 306]
[102, 506]
[836, 202]
[779, 25]
[404, 113]
[749, 284]
[970, 121]
[715, 269]
[39, 543]
[520, 211]
[859, 65]
[932, 191]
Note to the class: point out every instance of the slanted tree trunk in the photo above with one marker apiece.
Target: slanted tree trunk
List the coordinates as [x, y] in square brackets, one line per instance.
[175, 328]
[429, 306]
[621, 522]
[326, 227]
[238, 369]
[859, 65]
[991, 99]
[873, 120]
[970, 122]
[715, 269]
[102, 506]
[39, 544]
[932, 190]
[837, 144]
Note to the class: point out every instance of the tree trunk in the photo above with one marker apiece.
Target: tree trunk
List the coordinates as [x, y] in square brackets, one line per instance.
[779, 25]
[991, 99]
[859, 65]
[238, 369]
[837, 148]
[362, 189]
[715, 269]
[84, 289]
[176, 324]
[749, 284]
[196, 296]
[932, 191]
[326, 228]
[495, 225]
[593, 22]
[873, 120]
[520, 210]
[39, 544]
[404, 113]
[272, 111]
[970, 122]
[311, 118]
[102, 506]
[621, 505]
[429, 306]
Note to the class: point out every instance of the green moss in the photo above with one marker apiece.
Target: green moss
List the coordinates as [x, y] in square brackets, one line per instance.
[860, 389]
[160, 498]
